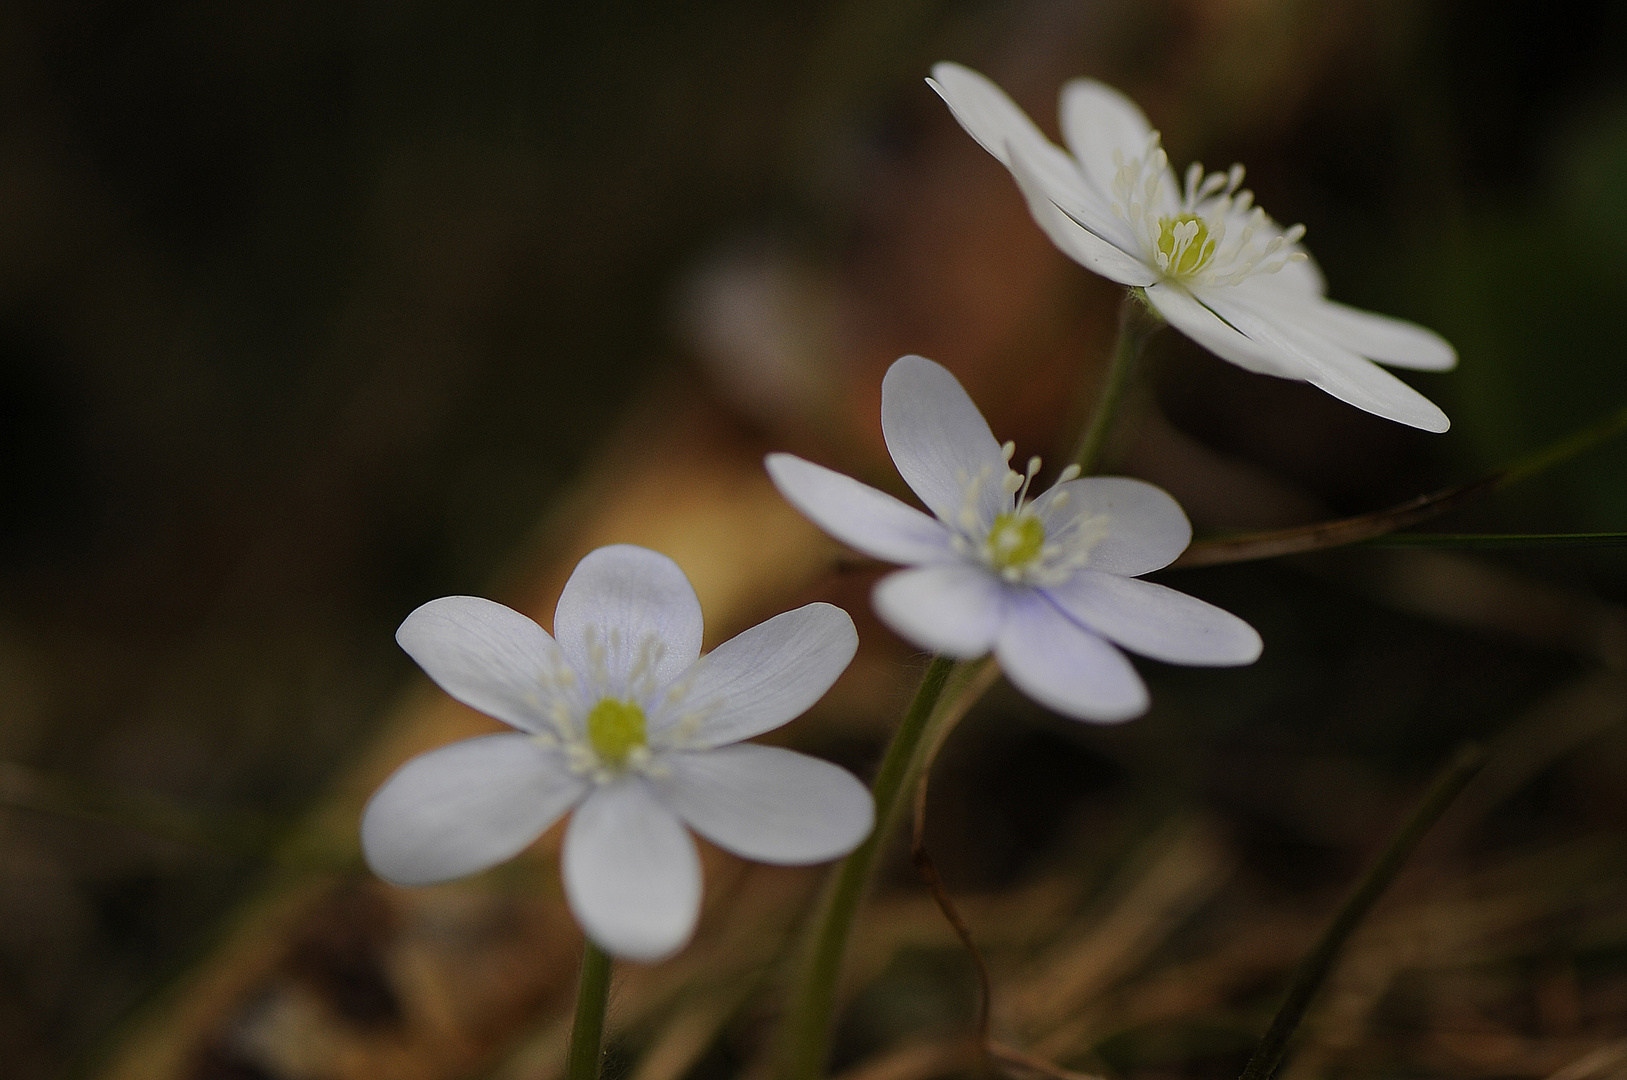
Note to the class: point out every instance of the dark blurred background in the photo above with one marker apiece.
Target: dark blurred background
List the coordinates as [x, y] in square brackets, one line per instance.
[309, 312]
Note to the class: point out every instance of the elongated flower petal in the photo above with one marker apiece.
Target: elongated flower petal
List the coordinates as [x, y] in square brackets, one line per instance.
[955, 610]
[632, 876]
[1157, 622]
[465, 807]
[768, 804]
[627, 605]
[1080, 229]
[1136, 527]
[990, 116]
[1098, 121]
[487, 656]
[1328, 365]
[940, 442]
[1059, 664]
[764, 677]
[1378, 337]
[1226, 341]
[857, 514]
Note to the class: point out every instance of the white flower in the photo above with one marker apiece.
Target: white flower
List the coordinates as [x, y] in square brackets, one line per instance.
[1045, 583]
[622, 719]
[1212, 263]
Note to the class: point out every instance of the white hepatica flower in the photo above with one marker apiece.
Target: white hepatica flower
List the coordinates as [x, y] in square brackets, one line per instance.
[1212, 263]
[621, 718]
[1046, 584]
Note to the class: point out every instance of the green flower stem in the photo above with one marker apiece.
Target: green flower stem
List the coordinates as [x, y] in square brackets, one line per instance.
[1137, 323]
[808, 1024]
[1314, 969]
[587, 1032]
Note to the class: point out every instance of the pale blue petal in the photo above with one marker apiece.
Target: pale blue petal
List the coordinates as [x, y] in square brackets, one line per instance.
[632, 876]
[1136, 527]
[760, 679]
[941, 444]
[623, 601]
[465, 807]
[858, 515]
[487, 656]
[1157, 622]
[1065, 667]
[954, 609]
[768, 804]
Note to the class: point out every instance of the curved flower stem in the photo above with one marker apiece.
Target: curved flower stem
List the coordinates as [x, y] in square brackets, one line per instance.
[813, 1008]
[1314, 969]
[1365, 528]
[587, 1032]
[1137, 323]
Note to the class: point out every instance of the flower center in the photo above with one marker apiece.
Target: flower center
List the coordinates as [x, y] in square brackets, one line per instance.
[1015, 540]
[615, 729]
[1184, 245]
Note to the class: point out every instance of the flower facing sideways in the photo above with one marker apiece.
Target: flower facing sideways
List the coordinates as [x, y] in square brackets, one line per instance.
[1206, 258]
[1048, 584]
[619, 717]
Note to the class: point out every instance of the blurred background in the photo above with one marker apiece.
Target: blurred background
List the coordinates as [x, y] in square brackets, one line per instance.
[311, 312]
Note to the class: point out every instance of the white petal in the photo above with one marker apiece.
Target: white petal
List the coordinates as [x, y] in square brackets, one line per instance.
[1328, 365]
[857, 514]
[764, 677]
[1154, 621]
[465, 807]
[996, 122]
[487, 656]
[955, 610]
[1064, 666]
[623, 600]
[1200, 323]
[1395, 342]
[768, 804]
[1301, 276]
[632, 876]
[1084, 230]
[1138, 526]
[940, 442]
[1097, 120]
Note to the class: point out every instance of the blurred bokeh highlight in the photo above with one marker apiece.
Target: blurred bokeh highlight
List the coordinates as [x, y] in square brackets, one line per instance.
[311, 312]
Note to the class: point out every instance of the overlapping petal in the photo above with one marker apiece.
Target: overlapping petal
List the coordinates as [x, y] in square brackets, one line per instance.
[621, 597]
[1137, 527]
[768, 804]
[1326, 364]
[857, 514]
[465, 807]
[1157, 622]
[1098, 121]
[940, 442]
[1064, 666]
[1200, 323]
[764, 677]
[955, 609]
[1395, 342]
[990, 116]
[632, 875]
[487, 656]
[1086, 233]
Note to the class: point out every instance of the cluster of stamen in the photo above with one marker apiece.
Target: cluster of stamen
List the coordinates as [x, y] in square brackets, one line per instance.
[599, 721]
[1193, 244]
[1015, 544]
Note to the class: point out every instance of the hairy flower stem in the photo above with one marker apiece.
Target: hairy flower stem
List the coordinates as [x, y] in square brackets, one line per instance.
[587, 1032]
[1314, 969]
[1137, 322]
[808, 1023]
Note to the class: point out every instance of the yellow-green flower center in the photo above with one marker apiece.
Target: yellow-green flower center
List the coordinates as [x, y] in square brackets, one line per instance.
[1184, 243]
[616, 729]
[1015, 540]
